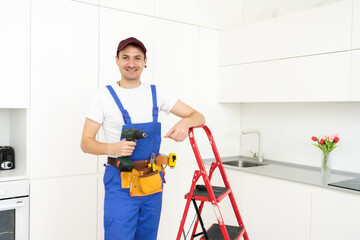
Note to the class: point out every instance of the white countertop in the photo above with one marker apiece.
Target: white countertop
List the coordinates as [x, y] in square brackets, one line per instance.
[292, 172]
[13, 175]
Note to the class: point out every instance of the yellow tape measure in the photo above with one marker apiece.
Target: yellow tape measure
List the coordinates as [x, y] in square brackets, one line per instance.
[172, 160]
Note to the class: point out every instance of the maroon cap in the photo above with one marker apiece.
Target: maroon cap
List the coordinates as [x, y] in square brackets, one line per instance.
[131, 40]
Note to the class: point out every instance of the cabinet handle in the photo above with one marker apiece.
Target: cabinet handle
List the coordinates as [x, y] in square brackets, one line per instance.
[11, 206]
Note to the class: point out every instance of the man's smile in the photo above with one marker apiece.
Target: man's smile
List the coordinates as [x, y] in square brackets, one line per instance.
[131, 69]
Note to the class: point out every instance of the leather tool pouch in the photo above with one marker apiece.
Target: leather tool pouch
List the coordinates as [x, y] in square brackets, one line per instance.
[151, 183]
[126, 176]
[125, 179]
[141, 183]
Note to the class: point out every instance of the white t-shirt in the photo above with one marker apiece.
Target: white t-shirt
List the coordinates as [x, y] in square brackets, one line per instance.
[137, 101]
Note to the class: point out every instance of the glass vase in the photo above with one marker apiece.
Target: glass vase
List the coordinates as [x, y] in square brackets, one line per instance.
[326, 163]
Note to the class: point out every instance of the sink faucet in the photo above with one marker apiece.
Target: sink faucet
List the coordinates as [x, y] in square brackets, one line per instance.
[259, 154]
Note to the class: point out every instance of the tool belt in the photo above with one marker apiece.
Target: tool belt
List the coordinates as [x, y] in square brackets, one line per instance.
[142, 180]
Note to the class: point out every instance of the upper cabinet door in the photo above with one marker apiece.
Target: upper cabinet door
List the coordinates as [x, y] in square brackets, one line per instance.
[216, 14]
[318, 30]
[248, 43]
[246, 82]
[14, 54]
[318, 78]
[355, 76]
[141, 27]
[356, 24]
[94, 2]
[135, 6]
[64, 80]
[176, 69]
[185, 11]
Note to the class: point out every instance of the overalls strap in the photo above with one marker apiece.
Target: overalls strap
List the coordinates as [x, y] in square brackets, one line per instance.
[155, 107]
[125, 114]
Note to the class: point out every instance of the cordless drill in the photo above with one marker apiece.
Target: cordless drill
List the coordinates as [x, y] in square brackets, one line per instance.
[125, 164]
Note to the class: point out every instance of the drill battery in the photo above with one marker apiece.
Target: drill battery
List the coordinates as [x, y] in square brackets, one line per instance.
[124, 164]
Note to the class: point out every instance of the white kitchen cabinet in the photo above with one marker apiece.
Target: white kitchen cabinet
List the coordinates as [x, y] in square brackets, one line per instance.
[176, 71]
[318, 30]
[63, 208]
[64, 78]
[276, 209]
[208, 105]
[270, 208]
[258, 10]
[247, 82]
[178, 183]
[299, 57]
[237, 183]
[216, 14]
[248, 43]
[334, 215]
[355, 76]
[186, 11]
[279, 209]
[145, 7]
[141, 27]
[175, 68]
[315, 78]
[94, 2]
[14, 54]
[356, 24]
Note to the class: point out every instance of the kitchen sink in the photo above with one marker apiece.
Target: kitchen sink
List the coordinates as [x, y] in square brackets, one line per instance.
[244, 164]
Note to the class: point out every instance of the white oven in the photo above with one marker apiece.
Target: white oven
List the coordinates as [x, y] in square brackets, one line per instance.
[14, 210]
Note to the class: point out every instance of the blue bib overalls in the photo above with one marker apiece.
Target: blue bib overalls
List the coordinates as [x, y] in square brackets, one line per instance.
[126, 217]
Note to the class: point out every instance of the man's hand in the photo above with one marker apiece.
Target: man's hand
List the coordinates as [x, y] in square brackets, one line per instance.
[122, 148]
[190, 118]
[178, 132]
[89, 144]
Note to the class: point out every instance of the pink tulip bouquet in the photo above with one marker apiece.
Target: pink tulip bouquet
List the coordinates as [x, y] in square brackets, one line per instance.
[326, 144]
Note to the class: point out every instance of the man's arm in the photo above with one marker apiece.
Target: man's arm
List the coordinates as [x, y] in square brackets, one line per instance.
[89, 144]
[190, 118]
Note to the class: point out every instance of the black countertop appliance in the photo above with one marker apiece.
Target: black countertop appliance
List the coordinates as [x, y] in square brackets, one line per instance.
[7, 158]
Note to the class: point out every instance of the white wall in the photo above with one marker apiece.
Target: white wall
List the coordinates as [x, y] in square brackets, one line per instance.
[287, 129]
[4, 127]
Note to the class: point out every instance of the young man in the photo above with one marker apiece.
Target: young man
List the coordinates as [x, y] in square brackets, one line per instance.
[129, 103]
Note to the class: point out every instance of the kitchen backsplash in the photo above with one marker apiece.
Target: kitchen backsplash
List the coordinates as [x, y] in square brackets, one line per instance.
[287, 129]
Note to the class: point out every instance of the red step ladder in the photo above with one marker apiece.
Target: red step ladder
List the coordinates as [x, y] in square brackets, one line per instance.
[212, 194]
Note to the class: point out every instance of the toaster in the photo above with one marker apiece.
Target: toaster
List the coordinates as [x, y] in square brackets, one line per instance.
[7, 158]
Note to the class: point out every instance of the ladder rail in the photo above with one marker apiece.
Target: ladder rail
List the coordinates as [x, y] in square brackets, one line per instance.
[207, 178]
[214, 165]
[188, 201]
[217, 156]
[212, 169]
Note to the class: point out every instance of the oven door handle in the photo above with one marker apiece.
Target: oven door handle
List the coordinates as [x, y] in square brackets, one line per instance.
[11, 206]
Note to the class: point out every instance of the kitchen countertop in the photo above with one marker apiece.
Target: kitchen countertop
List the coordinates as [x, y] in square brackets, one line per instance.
[292, 172]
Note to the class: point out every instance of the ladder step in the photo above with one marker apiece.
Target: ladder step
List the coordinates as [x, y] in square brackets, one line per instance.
[214, 233]
[201, 194]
